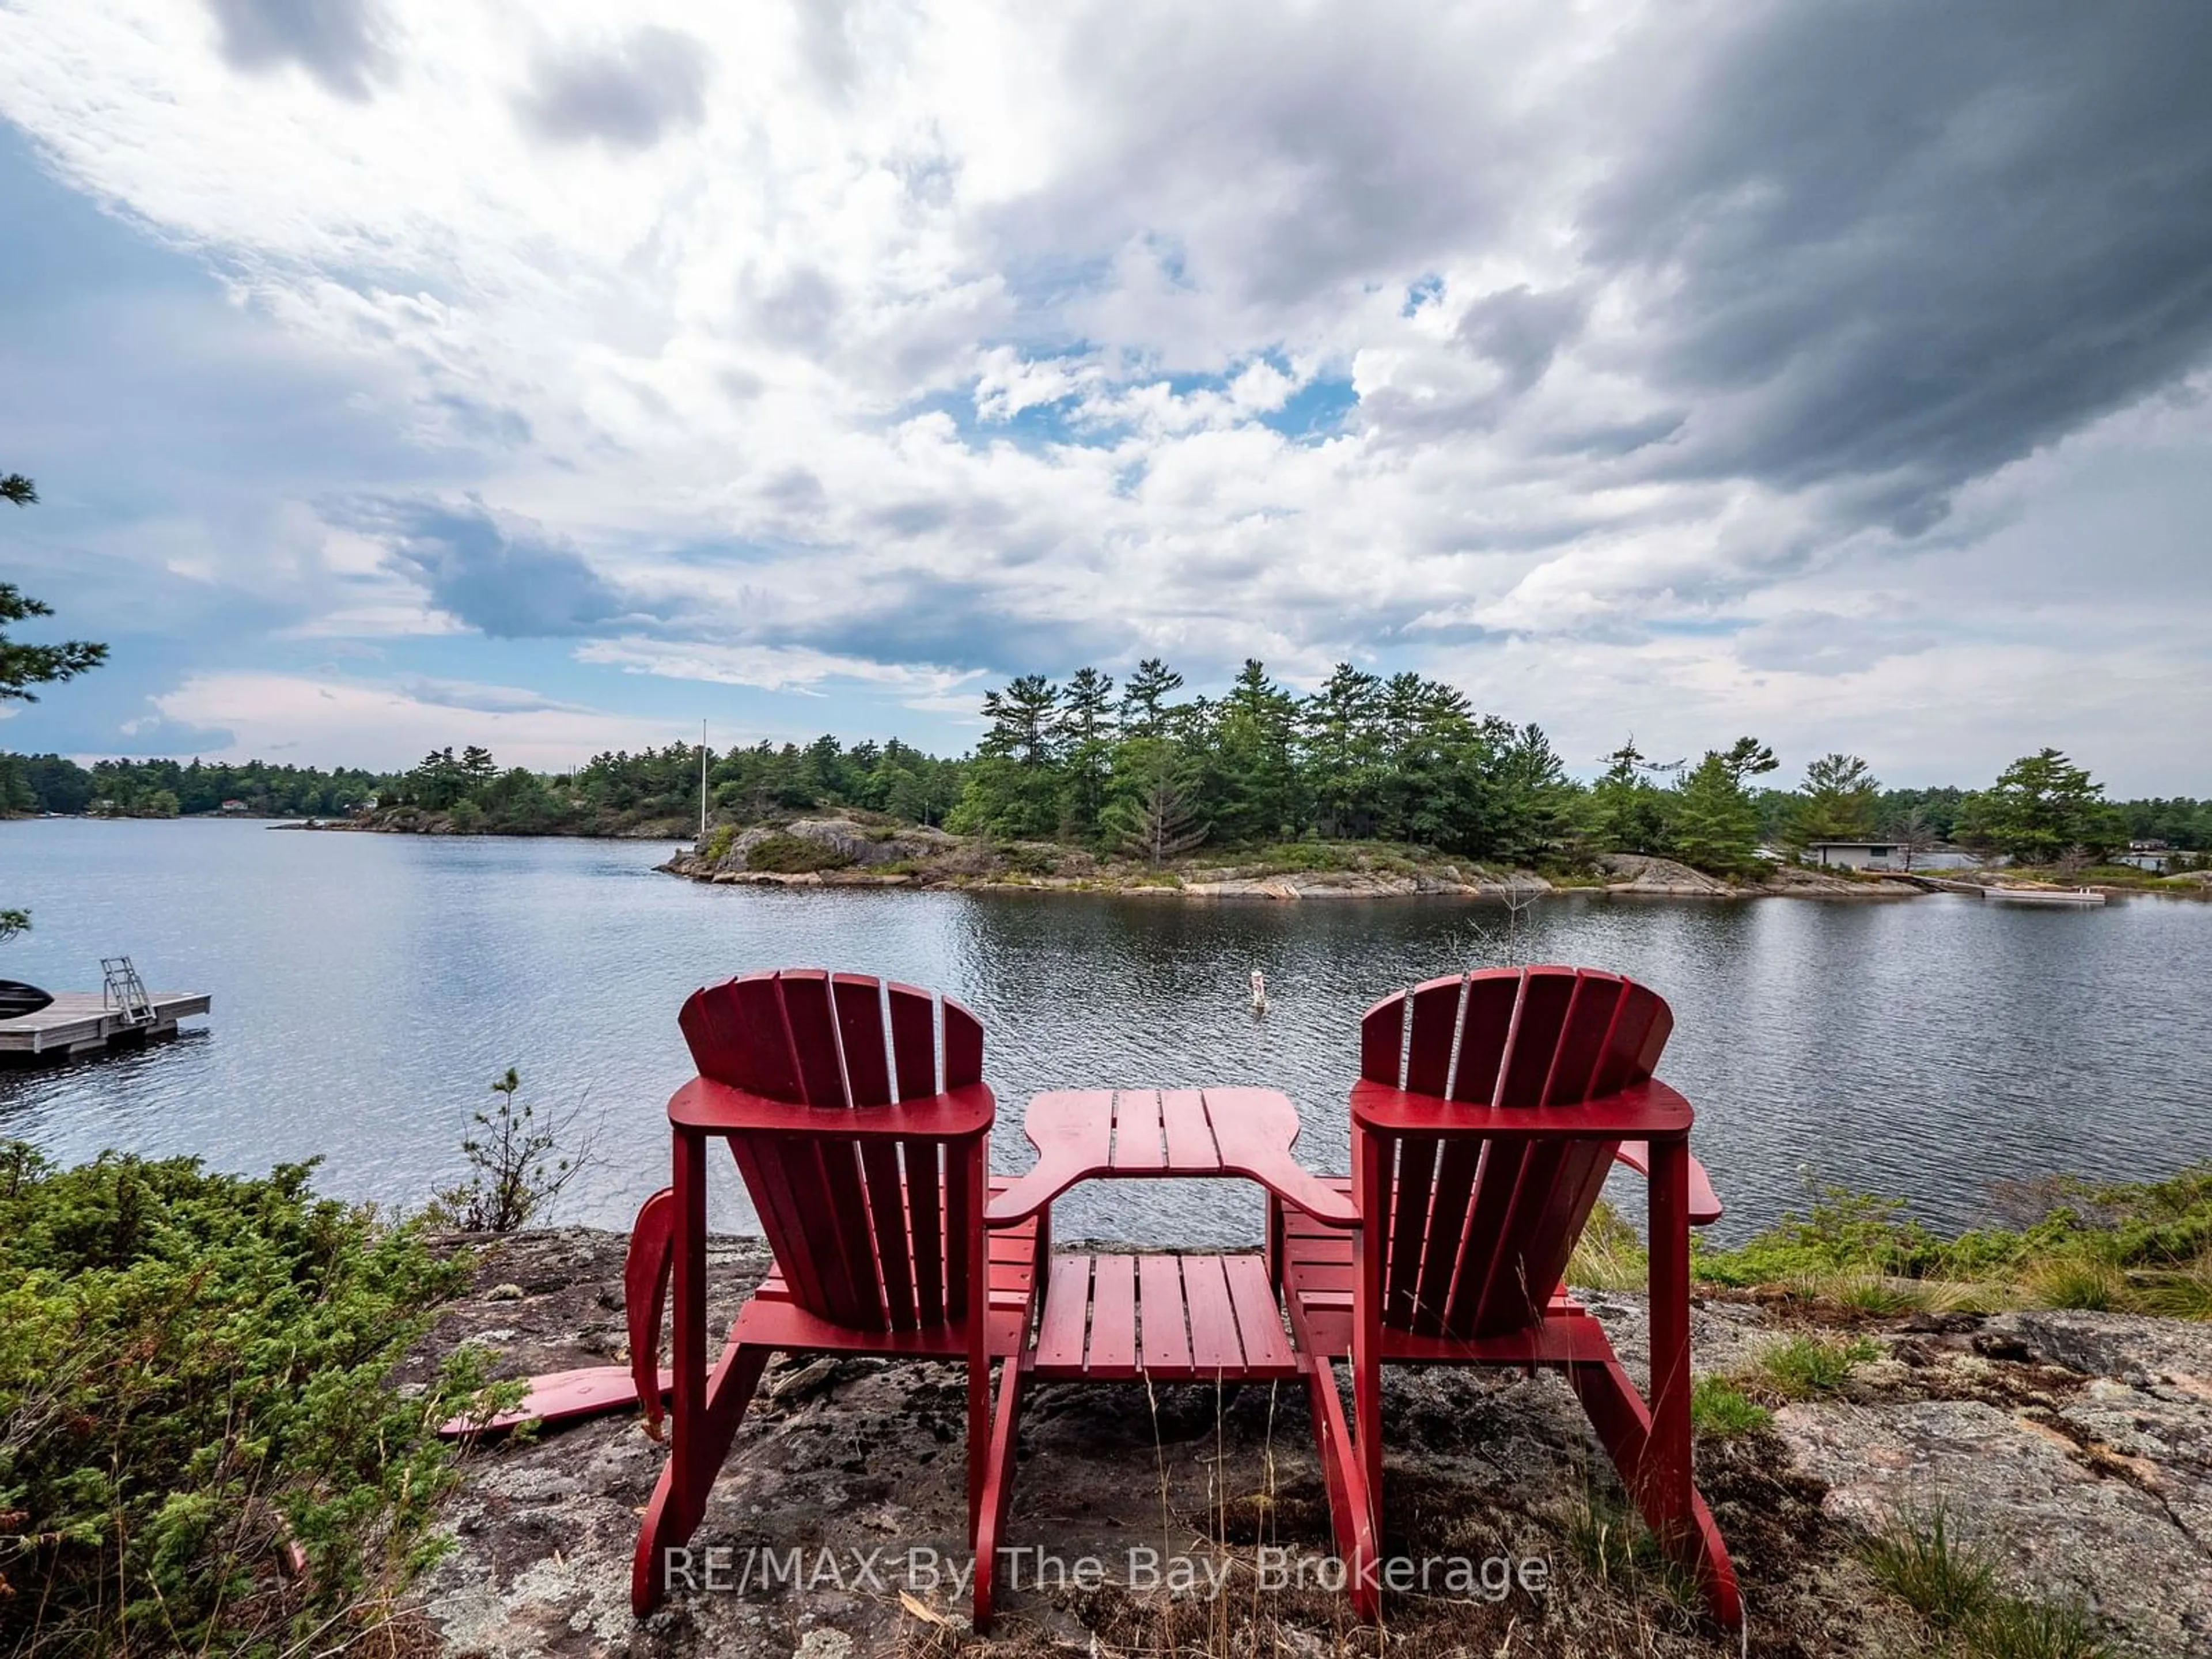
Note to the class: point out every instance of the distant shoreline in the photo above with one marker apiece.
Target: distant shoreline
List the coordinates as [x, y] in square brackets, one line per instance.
[845, 853]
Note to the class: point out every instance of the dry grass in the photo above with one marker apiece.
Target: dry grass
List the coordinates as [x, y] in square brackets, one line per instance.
[2078, 1279]
[1608, 1256]
[1886, 1297]
[2183, 1293]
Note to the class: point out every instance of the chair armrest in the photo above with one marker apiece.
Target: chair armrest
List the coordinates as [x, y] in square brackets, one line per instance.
[1704, 1203]
[1644, 1111]
[718, 1109]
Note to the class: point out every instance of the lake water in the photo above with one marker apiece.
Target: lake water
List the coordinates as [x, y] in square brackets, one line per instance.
[368, 988]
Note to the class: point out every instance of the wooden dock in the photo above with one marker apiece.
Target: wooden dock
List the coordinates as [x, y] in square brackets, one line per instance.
[84, 1022]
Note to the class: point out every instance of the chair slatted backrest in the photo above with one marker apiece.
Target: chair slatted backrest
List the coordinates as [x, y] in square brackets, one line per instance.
[1479, 1231]
[871, 1234]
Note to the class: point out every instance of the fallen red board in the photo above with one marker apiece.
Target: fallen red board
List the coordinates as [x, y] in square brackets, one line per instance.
[560, 1397]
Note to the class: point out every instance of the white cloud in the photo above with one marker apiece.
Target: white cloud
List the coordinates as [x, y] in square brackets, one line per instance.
[780, 668]
[890, 346]
[313, 721]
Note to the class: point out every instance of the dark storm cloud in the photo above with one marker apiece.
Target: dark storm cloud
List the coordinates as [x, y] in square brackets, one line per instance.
[503, 577]
[1271, 152]
[1521, 330]
[1919, 241]
[339, 42]
[627, 97]
[961, 625]
[1518, 332]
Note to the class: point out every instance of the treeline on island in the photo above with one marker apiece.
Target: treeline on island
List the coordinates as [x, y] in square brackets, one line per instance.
[1141, 770]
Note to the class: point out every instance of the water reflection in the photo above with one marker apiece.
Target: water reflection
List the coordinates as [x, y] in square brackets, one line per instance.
[368, 988]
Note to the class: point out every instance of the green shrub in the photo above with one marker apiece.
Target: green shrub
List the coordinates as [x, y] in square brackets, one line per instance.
[2084, 1245]
[1801, 1367]
[1843, 1231]
[195, 1371]
[1719, 1410]
[1284, 857]
[517, 1164]
[716, 846]
[1030, 858]
[793, 856]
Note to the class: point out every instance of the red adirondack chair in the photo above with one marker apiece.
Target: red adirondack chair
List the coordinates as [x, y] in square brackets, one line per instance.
[870, 1177]
[1488, 1109]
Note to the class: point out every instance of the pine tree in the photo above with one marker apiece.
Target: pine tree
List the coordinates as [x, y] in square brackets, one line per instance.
[1715, 822]
[1340, 726]
[1836, 802]
[1255, 744]
[1087, 732]
[1153, 814]
[2041, 807]
[22, 667]
[1146, 711]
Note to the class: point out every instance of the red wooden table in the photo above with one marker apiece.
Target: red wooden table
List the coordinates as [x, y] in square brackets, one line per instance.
[1189, 1315]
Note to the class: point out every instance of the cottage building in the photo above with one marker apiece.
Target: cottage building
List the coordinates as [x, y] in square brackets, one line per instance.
[1856, 855]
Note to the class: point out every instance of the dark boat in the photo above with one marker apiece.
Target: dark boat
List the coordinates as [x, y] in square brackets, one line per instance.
[17, 999]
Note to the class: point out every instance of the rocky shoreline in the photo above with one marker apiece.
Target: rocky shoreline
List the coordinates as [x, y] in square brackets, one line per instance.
[2074, 1447]
[845, 853]
[849, 853]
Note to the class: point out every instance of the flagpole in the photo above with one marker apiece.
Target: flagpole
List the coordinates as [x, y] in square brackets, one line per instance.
[702, 781]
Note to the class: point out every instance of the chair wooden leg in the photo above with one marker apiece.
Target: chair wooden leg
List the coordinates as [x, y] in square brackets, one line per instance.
[1350, 1501]
[679, 1504]
[998, 1488]
[1649, 1443]
[1367, 1435]
[1370, 1174]
[1665, 1476]
[1623, 1423]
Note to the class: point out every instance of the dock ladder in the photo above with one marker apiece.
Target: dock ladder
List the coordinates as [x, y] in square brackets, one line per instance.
[124, 992]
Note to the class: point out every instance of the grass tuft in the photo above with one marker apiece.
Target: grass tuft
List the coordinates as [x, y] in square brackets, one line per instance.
[1720, 1410]
[2077, 1279]
[2185, 1293]
[1616, 1550]
[1917, 1559]
[2014, 1628]
[1952, 1585]
[1802, 1367]
[1882, 1296]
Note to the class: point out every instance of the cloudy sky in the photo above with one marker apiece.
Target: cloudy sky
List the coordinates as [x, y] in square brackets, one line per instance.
[399, 373]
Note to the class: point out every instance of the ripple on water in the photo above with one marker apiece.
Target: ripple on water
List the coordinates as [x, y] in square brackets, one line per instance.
[369, 988]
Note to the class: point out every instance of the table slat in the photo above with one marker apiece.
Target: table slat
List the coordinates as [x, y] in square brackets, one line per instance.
[1113, 1316]
[1138, 1145]
[1160, 1313]
[1214, 1344]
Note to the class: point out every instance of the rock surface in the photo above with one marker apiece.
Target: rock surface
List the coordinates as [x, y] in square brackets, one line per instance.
[1640, 874]
[1363, 883]
[2074, 1444]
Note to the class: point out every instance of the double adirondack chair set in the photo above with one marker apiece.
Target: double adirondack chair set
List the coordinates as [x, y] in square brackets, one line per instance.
[1489, 1109]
